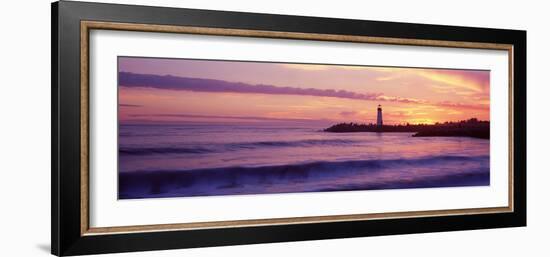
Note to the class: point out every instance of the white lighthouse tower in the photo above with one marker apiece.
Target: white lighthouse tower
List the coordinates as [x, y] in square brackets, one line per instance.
[379, 121]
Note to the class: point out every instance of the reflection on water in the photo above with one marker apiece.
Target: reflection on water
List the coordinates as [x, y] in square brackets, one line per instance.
[191, 160]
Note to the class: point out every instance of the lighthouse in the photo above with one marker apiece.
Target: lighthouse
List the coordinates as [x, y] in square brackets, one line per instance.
[379, 122]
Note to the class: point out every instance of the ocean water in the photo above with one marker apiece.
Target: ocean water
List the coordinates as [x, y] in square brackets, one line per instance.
[230, 159]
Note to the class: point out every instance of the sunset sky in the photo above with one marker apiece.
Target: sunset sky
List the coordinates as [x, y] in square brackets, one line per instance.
[179, 90]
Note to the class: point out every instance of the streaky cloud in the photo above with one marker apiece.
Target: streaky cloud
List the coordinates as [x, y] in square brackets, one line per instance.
[130, 105]
[127, 79]
[460, 105]
[348, 113]
[218, 117]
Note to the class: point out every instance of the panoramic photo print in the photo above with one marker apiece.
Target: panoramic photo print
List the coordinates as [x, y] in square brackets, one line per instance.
[189, 127]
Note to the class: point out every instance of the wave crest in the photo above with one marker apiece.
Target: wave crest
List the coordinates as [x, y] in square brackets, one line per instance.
[232, 146]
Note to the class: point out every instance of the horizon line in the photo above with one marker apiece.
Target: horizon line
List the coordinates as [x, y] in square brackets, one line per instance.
[257, 119]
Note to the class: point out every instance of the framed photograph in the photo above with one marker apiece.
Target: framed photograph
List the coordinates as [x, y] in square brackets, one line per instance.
[178, 128]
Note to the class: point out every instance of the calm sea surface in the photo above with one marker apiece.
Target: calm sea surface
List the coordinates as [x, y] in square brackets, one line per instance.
[214, 159]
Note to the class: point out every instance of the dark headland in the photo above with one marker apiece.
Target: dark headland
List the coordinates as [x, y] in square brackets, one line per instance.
[466, 128]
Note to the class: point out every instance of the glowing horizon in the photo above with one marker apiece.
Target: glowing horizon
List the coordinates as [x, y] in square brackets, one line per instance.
[156, 90]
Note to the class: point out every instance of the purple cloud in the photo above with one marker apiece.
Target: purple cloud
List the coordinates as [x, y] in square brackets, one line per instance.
[127, 79]
[348, 113]
[216, 117]
[130, 105]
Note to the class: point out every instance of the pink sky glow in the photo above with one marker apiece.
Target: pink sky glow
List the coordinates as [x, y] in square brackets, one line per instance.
[180, 90]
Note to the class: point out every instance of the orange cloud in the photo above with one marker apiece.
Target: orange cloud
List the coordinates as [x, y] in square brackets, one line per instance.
[322, 67]
[477, 83]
